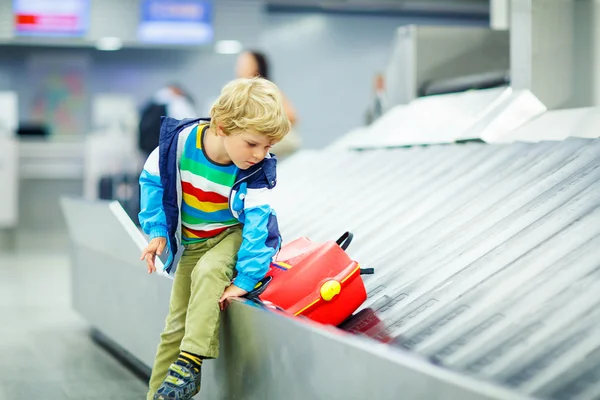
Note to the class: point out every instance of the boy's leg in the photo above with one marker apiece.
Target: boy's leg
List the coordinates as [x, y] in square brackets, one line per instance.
[211, 276]
[170, 339]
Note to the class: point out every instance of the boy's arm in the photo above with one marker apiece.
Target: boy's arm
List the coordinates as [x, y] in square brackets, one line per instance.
[260, 239]
[152, 214]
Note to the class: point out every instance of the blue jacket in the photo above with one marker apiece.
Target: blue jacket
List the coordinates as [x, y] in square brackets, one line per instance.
[160, 187]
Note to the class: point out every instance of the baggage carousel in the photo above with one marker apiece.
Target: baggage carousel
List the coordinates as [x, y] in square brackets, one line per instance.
[487, 257]
[486, 285]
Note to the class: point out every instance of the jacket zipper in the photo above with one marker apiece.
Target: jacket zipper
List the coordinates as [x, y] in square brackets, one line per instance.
[237, 183]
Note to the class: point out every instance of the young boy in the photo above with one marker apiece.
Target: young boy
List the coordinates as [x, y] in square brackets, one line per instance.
[204, 204]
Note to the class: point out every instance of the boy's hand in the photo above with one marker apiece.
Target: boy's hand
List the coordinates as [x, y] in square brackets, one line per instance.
[231, 291]
[155, 247]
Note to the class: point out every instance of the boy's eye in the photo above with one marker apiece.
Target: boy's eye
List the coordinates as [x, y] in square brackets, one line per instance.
[251, 144]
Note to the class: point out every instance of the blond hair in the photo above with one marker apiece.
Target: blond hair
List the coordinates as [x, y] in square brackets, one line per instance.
[253, 104]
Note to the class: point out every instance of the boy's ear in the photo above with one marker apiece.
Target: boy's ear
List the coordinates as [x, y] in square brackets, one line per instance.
[220, 131]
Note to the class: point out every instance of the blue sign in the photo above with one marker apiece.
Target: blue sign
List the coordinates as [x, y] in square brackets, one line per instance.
[176, 21]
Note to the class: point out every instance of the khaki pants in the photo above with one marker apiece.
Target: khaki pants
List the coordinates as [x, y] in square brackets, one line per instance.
[204, 272]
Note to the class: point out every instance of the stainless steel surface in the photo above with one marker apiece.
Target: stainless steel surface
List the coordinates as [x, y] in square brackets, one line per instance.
[430, 120]
[541, 49]
[517, 108]
[500, 14]
[264, 356]
[586, 53]
[488, 114]
[558, 125]
[270, 357]
[483, 253]
[465, 8]
[487, 263]
[424, 53]
[110, 288]
[9, 182]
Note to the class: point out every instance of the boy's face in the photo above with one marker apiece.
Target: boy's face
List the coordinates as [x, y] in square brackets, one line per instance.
[247, 148]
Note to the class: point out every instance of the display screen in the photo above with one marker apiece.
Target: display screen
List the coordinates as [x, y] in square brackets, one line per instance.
[51, 17]
[176, 21]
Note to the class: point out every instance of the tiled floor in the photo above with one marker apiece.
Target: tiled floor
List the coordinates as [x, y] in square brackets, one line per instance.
[45, 349]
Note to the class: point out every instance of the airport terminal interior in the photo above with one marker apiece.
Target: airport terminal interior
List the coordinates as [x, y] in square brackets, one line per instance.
[437, 196]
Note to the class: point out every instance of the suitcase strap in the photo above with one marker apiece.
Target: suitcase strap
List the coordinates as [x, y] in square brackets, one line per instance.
[345, 240]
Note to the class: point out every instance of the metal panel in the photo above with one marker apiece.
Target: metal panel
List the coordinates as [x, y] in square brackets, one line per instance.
[264, 356]
[586, 47]
[541, 49]
[558, 125]
[508, 114]
[9, 114]
[437, 8]
[269, 357]
[595, 56]
[487, 263]
[9, 182]
[109, 284]
[430, 120]
[500, 14]
[480, 253]
[487, 114]
[6, 20]
[421, 54]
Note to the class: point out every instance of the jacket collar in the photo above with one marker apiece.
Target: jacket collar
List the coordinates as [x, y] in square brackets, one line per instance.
[268, 175]
[263, 171]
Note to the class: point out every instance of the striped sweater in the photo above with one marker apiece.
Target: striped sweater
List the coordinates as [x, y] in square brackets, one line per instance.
[205, 186]
[161, 200]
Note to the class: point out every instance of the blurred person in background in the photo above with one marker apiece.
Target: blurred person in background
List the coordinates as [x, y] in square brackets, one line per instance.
[251, 64]
[378, 105]
[122, 184]
[170, 101]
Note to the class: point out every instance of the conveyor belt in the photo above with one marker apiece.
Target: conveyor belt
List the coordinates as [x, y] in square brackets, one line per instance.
[487, 257]
[487, 263]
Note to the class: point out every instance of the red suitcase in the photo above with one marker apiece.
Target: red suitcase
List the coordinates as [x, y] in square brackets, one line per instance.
[315, 280]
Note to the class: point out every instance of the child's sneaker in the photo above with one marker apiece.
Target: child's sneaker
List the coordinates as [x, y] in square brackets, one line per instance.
[182, 382]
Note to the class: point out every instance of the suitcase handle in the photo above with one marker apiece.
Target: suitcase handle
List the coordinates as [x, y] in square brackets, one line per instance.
[254, 294]
[257, 291]
[345, 240]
